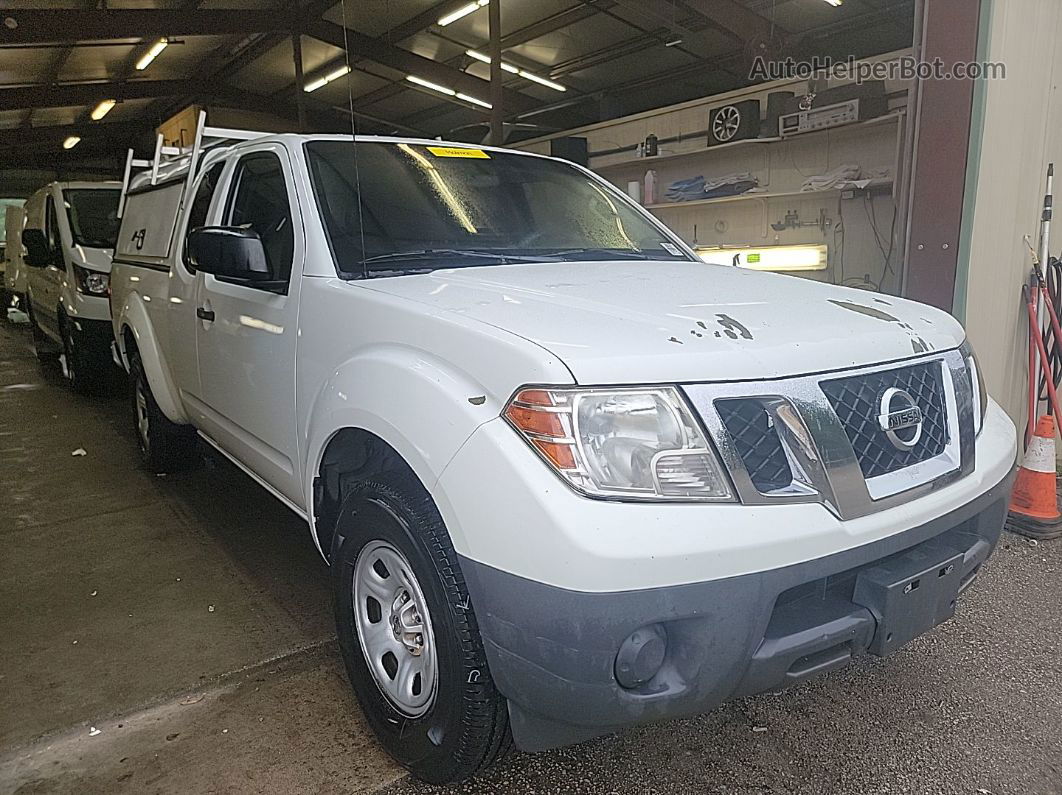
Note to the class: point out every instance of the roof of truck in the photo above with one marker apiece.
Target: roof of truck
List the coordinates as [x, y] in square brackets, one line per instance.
[177, 167]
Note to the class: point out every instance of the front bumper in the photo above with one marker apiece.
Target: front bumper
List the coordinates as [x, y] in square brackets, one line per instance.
[553, 651]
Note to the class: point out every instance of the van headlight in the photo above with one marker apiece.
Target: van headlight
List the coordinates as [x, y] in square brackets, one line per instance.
[640, 443]
[92, 282]
[977, 386]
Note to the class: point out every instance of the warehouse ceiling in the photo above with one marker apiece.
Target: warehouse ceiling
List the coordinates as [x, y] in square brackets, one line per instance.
[59, 60]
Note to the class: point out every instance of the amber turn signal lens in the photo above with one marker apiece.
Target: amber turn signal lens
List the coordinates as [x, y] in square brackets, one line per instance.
[544, 423]
[560, 454]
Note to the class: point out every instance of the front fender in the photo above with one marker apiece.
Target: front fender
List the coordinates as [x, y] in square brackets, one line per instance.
[134, 316]
[422, 406]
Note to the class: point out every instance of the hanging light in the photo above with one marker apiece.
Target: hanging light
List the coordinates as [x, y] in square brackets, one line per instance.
[463, 11]
[482, 57]
[102, 109]
[71, 141]
[151, 54]
[326, 79]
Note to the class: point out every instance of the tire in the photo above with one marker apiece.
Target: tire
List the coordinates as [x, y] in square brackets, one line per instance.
[43, 348]
[464, 726]
[164, 445]
[86, 369]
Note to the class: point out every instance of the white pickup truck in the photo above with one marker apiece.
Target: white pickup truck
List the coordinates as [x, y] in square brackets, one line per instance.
[569, 478]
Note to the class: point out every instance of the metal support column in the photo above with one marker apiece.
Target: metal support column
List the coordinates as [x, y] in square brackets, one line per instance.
[300, 95]
[497, 131]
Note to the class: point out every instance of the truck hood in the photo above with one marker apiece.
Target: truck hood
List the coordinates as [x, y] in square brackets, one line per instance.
[95, 259]
[637, 322]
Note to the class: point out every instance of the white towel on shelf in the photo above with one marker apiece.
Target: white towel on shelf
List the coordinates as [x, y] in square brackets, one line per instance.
[833, 178]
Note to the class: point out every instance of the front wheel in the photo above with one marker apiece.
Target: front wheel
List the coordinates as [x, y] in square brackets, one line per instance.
[43, 348]
[164, 445]
[409, 635]
[85, 368]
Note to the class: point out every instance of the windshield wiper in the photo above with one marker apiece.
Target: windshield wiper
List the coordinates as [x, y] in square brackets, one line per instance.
[429, 253]
[616, 253]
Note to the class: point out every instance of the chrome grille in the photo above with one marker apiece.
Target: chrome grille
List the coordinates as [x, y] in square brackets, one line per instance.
[855, 400]
[752, 429]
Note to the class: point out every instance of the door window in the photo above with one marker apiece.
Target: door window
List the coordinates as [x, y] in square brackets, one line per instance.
[259, 201]
[51, 230]
[197, 213]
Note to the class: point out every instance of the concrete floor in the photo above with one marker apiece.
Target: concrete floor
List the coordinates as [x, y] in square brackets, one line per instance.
[165, 635]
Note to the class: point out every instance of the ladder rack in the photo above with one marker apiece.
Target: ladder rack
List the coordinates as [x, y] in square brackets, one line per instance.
[205, 138]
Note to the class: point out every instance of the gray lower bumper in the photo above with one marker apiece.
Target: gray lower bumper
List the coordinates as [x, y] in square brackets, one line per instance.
[552, 652]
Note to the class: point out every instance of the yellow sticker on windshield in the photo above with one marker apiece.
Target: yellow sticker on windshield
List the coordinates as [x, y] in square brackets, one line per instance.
[456, 151]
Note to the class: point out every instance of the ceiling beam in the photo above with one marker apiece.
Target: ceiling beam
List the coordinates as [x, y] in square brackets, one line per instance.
[737, 19]
[52, 135]
[72, 24]
[69, 94]
[409, 63]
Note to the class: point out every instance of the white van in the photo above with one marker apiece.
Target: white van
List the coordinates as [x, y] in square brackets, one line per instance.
[13, 286]
[69, 236]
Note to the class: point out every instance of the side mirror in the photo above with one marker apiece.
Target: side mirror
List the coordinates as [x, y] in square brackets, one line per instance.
[231, 252]
[38, 255]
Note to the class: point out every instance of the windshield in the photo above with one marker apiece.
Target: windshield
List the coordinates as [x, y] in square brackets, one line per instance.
[93, 214]
[426, 207]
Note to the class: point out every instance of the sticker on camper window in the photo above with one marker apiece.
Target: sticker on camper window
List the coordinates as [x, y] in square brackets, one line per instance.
[671, 249]
[753, 258]
[456, 151]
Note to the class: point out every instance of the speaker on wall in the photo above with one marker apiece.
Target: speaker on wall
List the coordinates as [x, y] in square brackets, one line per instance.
[735, 122]
[573, 149]
[776, 104]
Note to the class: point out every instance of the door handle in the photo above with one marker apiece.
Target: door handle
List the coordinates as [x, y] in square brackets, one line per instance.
[205, 314]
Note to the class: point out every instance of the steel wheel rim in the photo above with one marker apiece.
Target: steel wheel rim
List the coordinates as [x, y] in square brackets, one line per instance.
[394, 629]
[142, 421]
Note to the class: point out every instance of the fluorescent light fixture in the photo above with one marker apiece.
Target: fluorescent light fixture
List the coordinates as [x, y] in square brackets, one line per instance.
[522, 72]
[835, 3]
[151, 54]
[420, 81]
[473, 100]
[71, 142]
[541, 81]
[102, 109]
[463, 11]
[508, 67]
[313, 85]
[812, 257]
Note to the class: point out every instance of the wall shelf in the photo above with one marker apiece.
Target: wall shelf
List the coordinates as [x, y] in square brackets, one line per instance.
[638, 161]
[803, 194]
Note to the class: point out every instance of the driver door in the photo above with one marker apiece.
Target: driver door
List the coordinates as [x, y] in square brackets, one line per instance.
[246, 334]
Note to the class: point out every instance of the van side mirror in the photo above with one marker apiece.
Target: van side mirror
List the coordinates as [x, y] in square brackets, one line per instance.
[38, 255]
[231, 252]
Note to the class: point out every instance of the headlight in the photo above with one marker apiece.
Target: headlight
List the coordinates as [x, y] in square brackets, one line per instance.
[634, 444]
[92, 282]
[977, 386]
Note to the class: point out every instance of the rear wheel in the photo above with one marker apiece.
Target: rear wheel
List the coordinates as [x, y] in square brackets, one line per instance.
[409, 635]
[164, 445]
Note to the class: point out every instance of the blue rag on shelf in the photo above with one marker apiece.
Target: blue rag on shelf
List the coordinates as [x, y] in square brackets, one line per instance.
[694, 188]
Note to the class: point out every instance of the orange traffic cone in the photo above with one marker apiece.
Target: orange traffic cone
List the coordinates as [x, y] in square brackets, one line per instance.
[1034, 503]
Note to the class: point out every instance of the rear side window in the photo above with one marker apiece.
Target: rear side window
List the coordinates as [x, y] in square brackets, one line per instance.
[259, 201]
[197, 214]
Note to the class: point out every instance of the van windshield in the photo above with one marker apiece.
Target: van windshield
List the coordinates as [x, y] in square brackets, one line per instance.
[93, 215]
[426, 207]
